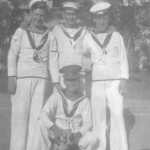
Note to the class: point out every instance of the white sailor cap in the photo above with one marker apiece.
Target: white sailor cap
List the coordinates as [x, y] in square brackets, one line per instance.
[70, 5]
[33, 1]
[100, 8]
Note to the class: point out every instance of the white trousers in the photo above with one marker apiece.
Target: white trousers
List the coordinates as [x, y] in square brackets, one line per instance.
[87, 142]
[106, 93]
[26, 106]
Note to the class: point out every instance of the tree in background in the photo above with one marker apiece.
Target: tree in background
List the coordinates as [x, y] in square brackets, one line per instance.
[130, 19]
[142, 39]
[10, 18]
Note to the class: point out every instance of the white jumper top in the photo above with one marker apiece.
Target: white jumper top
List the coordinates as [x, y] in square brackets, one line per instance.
[80, 121]
[70, 51]
[20, 57]
[113, 64]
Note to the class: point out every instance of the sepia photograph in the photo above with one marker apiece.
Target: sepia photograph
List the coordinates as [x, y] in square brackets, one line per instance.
[74, 74]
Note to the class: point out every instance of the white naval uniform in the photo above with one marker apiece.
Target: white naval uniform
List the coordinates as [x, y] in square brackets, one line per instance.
[31, 81]
[107, 71]
[80, 121]
[70, 51]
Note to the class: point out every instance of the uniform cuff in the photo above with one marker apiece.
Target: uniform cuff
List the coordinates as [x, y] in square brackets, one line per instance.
[12, 73]
[125, 77]
[55, 80]
[12, 76]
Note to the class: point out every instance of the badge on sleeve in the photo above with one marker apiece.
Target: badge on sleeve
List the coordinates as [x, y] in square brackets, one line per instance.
[15, 39]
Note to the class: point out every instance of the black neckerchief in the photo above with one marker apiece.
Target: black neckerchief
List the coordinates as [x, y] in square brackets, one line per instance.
[106, 41]
[43, 40]
[65, 105]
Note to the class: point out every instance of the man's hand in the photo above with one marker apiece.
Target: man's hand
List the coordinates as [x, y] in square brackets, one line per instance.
[122, 86]
[112, 29]
[56, 132]
[63, 141]
[87, 63]
[24, 25]
[66, 134]
[58, 87]
[12, 85]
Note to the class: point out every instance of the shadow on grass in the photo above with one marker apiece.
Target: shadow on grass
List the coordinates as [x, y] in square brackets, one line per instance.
[129, 119]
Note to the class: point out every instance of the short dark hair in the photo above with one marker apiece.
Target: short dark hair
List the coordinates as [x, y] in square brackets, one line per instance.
[39, 5]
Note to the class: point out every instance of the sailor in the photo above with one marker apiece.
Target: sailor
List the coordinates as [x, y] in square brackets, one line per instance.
[71, 112]
[27, 74]
[109, 74]
[69, 36]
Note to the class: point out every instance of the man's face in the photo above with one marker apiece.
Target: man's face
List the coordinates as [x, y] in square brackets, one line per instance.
[102, 22]
[38, 17]
[70, 17]
[72, 85]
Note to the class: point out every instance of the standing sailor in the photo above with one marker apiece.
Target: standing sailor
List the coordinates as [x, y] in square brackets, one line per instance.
[27, 72]
[109, 75]
[69, 36]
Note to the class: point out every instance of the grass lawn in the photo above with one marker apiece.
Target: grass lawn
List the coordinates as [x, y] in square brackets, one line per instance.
[138, 86]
